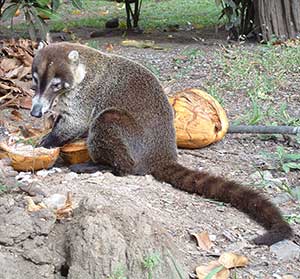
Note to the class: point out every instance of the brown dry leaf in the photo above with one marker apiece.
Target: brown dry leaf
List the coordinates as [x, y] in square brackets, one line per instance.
[16, 115]
[67, 210]
[30, 132]
[230, 260]
[203, 270]
[104, 13]
[15, 68]
[288, 277]
[203, 240]
[8, 64]
[32, 207]
[25, 102]
[140, 44]
[109, 47]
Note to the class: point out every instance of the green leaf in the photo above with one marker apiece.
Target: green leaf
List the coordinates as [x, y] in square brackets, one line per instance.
[40, 23]
[77, 4]
[55, 4]
[42, 3]
[47, 12]
[292, 165]
[9, 12]
[214, 272]
[292, 157]
[285, 168]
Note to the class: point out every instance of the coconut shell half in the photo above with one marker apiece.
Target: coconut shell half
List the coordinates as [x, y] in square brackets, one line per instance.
[29, 158]
[75, 152]
[199, 119]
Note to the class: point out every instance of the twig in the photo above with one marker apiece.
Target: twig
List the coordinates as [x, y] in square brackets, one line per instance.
[260, 129]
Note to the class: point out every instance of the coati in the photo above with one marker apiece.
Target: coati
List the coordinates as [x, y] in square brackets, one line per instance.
[128, 120]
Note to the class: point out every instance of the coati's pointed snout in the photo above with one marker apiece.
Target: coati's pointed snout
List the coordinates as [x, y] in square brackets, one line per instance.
[36, 110]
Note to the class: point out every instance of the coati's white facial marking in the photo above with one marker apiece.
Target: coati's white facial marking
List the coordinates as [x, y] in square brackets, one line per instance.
[41, 45]
[79, 74]
[78, 69]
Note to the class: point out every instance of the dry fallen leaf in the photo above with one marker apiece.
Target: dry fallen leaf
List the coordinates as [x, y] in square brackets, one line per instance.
[140, 44]
[109, 47]
[67, 210]
[203, 240]
[213, 267]
[16, 115]
[32, 207]
[104, 13]
[230, 260]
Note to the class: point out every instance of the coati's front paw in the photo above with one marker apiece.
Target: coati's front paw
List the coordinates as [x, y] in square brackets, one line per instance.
[50, 141]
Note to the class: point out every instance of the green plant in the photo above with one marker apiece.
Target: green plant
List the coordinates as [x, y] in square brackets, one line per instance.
[93, 44]
[214, 272]
[239, 15]
[3, 188]
[292, 218]
[150, 263]
[35, 11]
[284, 160]
[177, 267]
[119, 273]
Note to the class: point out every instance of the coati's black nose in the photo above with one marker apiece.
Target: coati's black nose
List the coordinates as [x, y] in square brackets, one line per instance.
[36, 111]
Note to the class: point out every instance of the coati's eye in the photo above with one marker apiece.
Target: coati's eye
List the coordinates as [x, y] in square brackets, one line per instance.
[56, 84]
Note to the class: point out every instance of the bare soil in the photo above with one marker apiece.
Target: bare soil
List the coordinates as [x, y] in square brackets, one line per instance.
[177, 214]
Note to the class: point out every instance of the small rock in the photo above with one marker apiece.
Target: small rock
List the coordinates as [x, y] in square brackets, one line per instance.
[296, 193]
[285, 250]
[281, 198]
[24, 177]
[267, 178]
[288, 277]
[112, 23]
[55, 201]
[71, 175]
[44, 173]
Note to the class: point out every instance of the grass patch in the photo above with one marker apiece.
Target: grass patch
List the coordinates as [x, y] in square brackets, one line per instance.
[258, 75]
[283, 160]
[119, 273]
[3, 188]
[154, 14]
[150, 263]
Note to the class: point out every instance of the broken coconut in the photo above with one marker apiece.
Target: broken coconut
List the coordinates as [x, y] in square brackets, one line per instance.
[199, 119]
[75, 152]
[28, 158]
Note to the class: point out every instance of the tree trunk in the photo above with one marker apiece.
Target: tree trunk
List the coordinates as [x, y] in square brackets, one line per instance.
[278, 18]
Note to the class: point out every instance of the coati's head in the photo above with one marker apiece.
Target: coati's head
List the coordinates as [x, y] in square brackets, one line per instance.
[55, 70]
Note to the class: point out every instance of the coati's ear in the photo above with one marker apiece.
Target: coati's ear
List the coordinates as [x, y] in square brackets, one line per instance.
[73, 56]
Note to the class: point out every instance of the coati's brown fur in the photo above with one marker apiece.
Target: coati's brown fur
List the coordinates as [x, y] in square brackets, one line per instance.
[129, 122]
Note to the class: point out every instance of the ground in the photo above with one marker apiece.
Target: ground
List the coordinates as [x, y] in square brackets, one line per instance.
[191, 59]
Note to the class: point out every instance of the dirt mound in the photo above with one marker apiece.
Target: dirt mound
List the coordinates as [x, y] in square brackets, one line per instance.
[100, 241]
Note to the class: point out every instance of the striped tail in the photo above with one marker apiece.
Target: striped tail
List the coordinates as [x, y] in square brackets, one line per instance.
[242, 198]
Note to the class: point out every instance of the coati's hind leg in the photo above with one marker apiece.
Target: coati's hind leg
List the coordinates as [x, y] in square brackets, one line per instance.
[115, 140]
